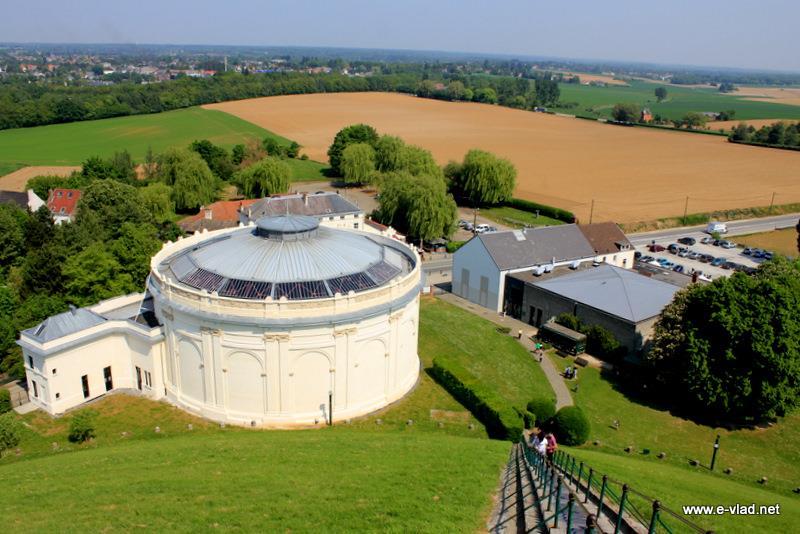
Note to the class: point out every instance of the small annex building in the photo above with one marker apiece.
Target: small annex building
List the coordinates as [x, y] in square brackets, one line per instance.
[282, 322]
[481, 266]
[63, 204]
[623, 301]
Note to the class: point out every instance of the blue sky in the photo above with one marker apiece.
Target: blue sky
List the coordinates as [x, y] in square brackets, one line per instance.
[734, 33]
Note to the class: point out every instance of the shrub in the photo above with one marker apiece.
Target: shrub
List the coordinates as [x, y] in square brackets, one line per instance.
[452, 246]
[81, 428]
[528, 418]
[601, 342]
[543, 408]
[548, 211]
[571, 426]
[10, 430]
[570, 321]
[5, 401]
[504, 329]
[502, 421]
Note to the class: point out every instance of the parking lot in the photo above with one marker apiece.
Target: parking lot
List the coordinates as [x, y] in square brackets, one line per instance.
[690, 264]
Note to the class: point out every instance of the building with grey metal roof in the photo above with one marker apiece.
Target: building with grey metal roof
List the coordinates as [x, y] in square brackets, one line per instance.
[282, 322]
[481, 265]
[623, 301]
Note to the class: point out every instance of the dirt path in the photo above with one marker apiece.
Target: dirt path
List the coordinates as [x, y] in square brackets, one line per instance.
[16, 180]
[629, 174]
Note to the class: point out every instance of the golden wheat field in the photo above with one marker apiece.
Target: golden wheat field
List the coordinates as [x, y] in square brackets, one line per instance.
[629, 174]
[15, 181]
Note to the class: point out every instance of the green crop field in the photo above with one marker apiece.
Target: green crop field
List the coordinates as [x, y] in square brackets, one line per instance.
[516, 218]
[751, 453]
[598, 101]
[70, 144]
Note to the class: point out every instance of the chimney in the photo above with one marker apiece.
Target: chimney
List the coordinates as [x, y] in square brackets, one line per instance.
[208, 213]
[305, 199]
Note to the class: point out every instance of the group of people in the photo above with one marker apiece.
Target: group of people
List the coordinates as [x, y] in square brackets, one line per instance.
[571, 372]
[544, 444]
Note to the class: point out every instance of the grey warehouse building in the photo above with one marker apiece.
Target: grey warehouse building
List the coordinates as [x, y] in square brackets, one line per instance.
[624, 302]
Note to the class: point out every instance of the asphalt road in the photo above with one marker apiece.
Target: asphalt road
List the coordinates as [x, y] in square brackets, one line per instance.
[748, 226]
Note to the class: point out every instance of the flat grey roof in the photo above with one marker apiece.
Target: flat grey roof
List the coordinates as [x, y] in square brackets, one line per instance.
[619, 292]
[322, 204]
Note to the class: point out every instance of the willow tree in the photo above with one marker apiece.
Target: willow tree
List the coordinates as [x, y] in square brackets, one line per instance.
[355, 133]
[389, 153]
[358, 164]
[193, 184]
[263, 178]
[485, 178]
[417, 205]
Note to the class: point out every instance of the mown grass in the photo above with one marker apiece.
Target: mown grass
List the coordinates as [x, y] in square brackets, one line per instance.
[676, 487]
[316, 480]
[497, 359]
[71, 144]
[599, 101]
[515, 218]
[781, 241]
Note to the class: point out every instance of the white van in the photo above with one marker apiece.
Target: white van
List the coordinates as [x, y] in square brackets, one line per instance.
[717, 227]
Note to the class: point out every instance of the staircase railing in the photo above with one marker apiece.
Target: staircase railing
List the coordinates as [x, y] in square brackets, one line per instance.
[625, 508]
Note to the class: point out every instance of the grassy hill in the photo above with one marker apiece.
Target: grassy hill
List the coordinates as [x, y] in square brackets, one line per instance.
[72, 143]
[751, 453]
[598, 101]
[315, 480]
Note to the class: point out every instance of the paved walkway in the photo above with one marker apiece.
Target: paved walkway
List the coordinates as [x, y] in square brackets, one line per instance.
[563, 398]
[28, 407]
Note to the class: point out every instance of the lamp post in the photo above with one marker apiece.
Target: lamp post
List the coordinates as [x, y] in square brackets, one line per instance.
[714, 454]
[475, 217]
[330, 407]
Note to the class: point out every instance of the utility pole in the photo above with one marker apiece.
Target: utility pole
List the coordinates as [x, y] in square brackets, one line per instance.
[685, 209]
[475, 217]
[591, 212]
[714, 454]
[772, 202]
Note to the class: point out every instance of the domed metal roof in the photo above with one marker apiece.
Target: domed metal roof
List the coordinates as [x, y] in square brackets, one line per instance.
[292, 257]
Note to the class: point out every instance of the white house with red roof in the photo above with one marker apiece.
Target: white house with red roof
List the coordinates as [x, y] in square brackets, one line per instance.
[63, 204]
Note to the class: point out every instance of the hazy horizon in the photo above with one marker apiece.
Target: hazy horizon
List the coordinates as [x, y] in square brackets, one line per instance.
[678, 33]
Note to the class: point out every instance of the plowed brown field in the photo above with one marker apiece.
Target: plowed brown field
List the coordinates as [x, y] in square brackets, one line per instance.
[15, 181]
[632, 174]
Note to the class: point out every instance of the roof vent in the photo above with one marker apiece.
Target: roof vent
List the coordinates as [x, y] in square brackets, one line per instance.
[73, 310]
[287, 227]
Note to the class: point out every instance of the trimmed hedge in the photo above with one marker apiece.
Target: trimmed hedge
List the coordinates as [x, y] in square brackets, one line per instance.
[543, 209]
[571, 426]
[5, 401]
[502, 420]
[764, 145]
[452, 246]
[543, 408]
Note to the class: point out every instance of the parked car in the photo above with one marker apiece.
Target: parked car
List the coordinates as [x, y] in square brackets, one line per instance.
[707, 240]
[656, 248]
[481, 228]
[705, 277]
[716, 227]
[687, 241]
[684, 252]
[674, 247]
[728, 265]
[678, 268]
[646, 259]
[468, 227]
[718, 262]
[706, 258]
[767, 255]
[756, 253]
[462, 223]
[728, 244]
[747, 251]
[637, 255]
[694, 255]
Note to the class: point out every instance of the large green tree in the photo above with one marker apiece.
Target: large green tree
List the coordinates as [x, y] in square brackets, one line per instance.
[156, 199]
[626, 112]
[112, 203]
[216, 157]
[133, 249]
[355, 133]
[193, 184]
[661, 93]
[358, 164]
[12, 235]
[730, 350]
[417, 205]
[484, 178]
[263, 178]
[95, 274]
[389, 153]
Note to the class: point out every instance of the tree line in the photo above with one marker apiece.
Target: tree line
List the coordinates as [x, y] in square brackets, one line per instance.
[780, 134]
[24, 104]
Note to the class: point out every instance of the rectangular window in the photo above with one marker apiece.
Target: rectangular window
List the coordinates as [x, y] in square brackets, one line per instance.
[54, 370]
[35, 389]
[138, 378]
[355, 225]
[108, 379]
[58, 395]
[148, 379]
[85, 384]
[341, 217]
[30, 362]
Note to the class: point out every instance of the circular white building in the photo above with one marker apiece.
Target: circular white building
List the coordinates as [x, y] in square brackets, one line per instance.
[272, 323]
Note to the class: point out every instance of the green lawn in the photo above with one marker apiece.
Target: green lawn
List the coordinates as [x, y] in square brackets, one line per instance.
[515, 218]
[71, 144]
[598, 101]
[676, 487]
[315, 480]
[497, 359]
